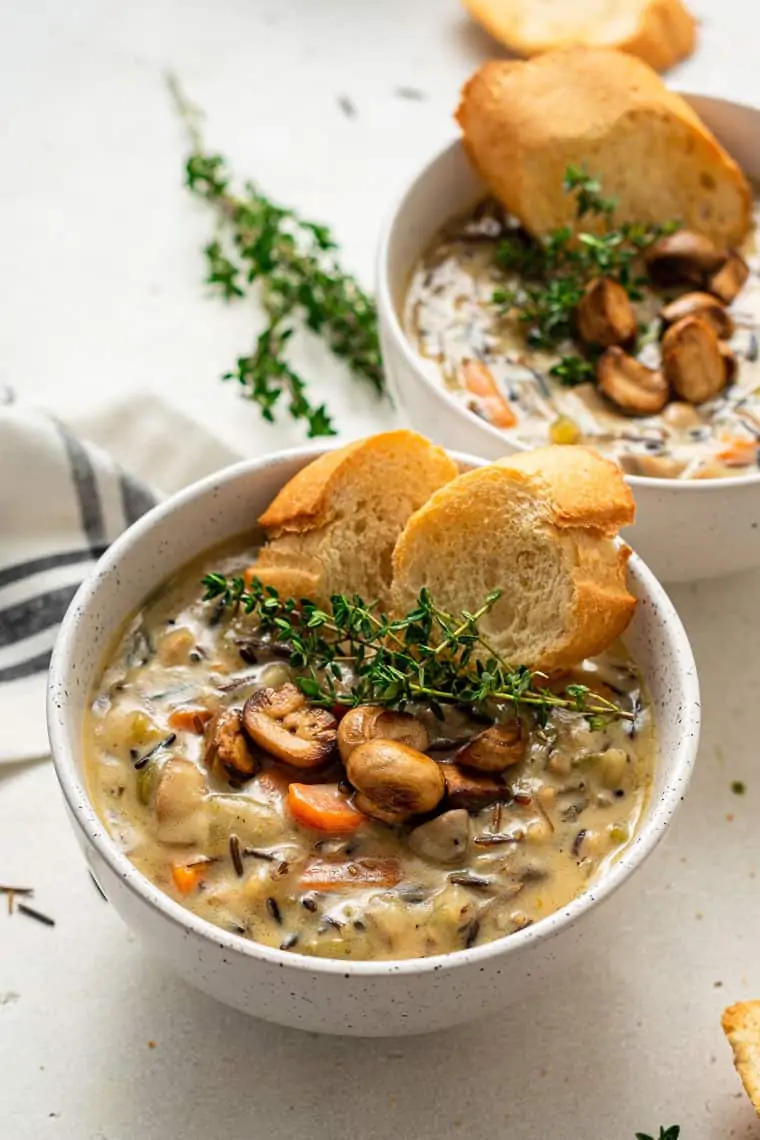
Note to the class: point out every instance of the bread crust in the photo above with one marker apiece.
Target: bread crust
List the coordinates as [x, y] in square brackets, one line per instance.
[583, 488]
[523, 123]
[288, 581]
[305, 502]
[741, 1025]
[664, 33]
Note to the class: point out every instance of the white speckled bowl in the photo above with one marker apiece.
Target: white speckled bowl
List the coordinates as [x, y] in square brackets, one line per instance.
[684, 529]
[360, 998]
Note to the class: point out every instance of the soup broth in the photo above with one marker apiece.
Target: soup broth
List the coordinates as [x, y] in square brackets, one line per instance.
[501, 852]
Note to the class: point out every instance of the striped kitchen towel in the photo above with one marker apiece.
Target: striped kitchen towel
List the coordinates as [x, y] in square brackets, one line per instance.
[62, 501]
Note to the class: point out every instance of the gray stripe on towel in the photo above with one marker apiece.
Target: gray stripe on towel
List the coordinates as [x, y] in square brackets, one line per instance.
[86, 486]
[36, 664]
[136, 499]
[35, 614]
[21, 570]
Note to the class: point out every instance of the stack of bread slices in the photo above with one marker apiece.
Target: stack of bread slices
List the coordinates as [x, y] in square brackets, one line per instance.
[387, 516]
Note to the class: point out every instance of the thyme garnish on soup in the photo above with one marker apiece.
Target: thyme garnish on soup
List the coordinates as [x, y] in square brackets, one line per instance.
[427, 655]
[556, 270]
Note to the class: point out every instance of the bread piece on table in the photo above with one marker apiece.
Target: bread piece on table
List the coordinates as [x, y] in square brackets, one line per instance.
[525, 123]
[741, 1025]
[661, 32]
[540, 527]
[332, 528]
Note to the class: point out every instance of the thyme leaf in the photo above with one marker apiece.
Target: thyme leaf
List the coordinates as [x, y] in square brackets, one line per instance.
[291, 265]
[355, 654]
[671, 1133]
[572, 370]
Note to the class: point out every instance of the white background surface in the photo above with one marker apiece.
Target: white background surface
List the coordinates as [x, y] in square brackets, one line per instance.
[101, 294]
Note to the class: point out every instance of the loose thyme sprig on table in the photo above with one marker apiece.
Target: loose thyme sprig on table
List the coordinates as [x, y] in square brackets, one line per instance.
[300, 281]
[556, 270]
[427, 655]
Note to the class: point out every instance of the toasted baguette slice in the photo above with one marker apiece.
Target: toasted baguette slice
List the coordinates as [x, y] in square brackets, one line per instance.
[525, 123]
[741, 1025]
[539, 527]
[333, 527]
[661, 32]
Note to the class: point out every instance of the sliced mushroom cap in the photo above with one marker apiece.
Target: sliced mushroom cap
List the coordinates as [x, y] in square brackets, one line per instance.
[394, 782]
[652, 466]
[282, 722]
[692, 360]
[227, 749]
[682, 416]
[702, 305]
[635, 388]
[180, 801]
[471, 790]
[444, 839]
[496, 749]
[605, 315]
[368, 722]
[684, 256]
[729, 280]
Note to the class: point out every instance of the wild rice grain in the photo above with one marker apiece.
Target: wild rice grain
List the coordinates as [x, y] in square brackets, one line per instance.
[237, 861]
[37, 915]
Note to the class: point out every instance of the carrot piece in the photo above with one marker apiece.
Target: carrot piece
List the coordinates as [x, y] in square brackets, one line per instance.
[740, 453]
[190, 718]
[187, 876]
[324, 807]
[332, 875]
[478, 379]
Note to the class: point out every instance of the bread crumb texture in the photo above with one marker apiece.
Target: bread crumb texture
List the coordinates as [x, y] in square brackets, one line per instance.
[741, 1025]
[540, 527]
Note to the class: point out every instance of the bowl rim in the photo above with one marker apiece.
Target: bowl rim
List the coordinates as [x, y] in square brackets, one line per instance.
[87, 819]
[392, 327]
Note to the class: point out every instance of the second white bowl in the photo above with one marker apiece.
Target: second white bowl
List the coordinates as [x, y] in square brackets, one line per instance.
[684, 529]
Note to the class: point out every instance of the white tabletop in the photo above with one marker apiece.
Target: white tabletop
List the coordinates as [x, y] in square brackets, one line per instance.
[101, 293]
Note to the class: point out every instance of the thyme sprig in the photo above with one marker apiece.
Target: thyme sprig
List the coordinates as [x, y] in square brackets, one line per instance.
[671, 1133]
[356, 654]
[556, 270]
[292, 265]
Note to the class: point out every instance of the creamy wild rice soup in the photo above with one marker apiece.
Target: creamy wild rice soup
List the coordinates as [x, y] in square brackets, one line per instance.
[231, 794]
[481, 357]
